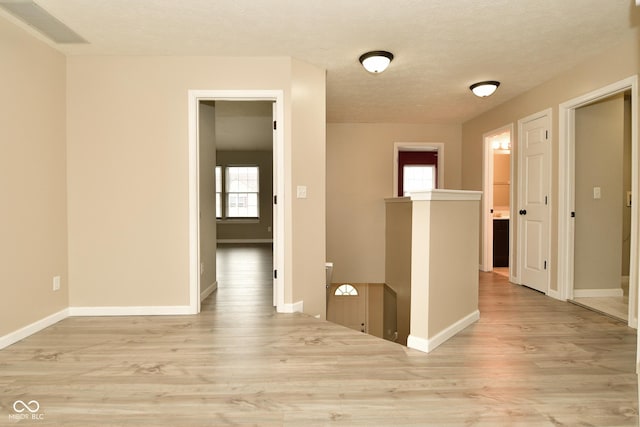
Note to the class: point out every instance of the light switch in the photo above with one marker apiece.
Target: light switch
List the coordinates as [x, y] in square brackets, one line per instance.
[301, 191]
[597, 193]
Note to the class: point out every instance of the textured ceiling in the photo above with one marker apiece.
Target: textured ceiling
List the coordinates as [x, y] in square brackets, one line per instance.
[440, 46]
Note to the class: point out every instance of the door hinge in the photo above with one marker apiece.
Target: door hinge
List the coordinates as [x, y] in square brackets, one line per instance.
[546, 200]
[545, 265]
[573, 214]
[275, 274]
[275, 125]
[546, 134]
[275, 199]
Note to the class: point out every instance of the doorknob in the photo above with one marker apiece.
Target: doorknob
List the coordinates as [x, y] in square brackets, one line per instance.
[523, 212]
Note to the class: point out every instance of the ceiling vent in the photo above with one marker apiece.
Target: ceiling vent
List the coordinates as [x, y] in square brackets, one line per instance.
[38, 18]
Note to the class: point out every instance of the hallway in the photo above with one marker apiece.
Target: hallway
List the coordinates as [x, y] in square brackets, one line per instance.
[529, 360]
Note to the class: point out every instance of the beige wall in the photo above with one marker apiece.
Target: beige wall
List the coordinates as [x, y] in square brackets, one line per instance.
[262, 229]
[599, 142]
[452, 272]
[617, 63]
[398, 229]
[501, 180]
[207, 188]
[359, 178]
[128, 173]
[33, 226]
[308, 216]
[431, 262]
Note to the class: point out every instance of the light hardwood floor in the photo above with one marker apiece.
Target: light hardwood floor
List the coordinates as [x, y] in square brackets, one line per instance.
[617, 307]
[528, 361]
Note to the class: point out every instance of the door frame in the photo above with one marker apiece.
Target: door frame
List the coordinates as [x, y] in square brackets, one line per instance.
[487, 198]
[521, 182]
[566, 180]
[438, 147]
[279, 237]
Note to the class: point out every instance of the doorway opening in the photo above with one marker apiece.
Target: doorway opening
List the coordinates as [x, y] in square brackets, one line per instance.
[598, 196]
[242, 199]
[497, 229]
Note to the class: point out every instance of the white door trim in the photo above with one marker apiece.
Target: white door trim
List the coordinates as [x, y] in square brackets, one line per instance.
[418, 146]
[487, 199]
[195, 96]
[566, 180]
[520, 202]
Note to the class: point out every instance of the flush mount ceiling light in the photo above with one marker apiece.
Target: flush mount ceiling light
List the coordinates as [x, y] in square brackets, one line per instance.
[483, 89]
[376, 61]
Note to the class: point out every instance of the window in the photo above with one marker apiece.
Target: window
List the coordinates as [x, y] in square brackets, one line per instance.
[417, 171]
[346, 290]
[218, 192]
[418, 178]
[241, 192]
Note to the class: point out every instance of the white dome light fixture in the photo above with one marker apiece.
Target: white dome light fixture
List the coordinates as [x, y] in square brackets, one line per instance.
[484, 89]
[376, 61]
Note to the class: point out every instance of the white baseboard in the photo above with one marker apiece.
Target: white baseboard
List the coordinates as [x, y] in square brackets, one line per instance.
[296, 307]
[245, 240]
[418, 343]
[24, 332]
[52, 319]
[586, 293]
[169, 310]
[208, 290]
[554, 294]
[428, 345]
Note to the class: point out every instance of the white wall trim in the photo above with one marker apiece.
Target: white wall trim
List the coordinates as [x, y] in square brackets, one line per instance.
[553, 294]
[487, 199]
[145, 310]
[417, 343]
[428, 345]
[37, 326]
[279, 237]
[446, 195]
[590, 293]
[208, 290]
[296, 307]
[566, 180]
[418, 146]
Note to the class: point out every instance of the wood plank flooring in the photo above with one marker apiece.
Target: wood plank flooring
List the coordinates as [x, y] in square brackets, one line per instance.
[529, 361]
[617, 307]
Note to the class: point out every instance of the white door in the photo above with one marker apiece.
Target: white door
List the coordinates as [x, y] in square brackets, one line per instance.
[533, 207]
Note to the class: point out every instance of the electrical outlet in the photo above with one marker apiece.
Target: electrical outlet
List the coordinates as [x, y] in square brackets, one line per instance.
[56, 283]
